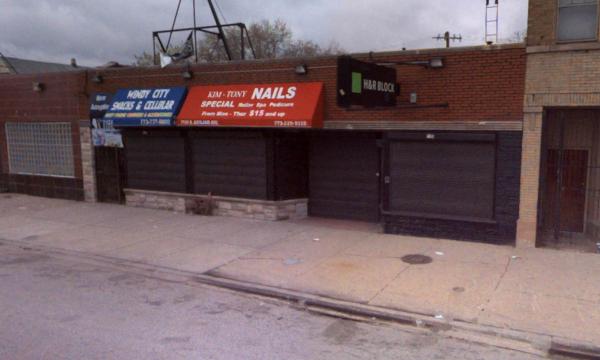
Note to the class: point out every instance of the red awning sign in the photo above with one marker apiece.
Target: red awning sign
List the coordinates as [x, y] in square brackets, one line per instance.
[256, 105]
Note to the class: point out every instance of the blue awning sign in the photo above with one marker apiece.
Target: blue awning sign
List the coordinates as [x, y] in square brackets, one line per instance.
[145, 107]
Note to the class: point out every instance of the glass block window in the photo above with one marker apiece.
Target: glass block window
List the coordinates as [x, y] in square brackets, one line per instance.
[40, 149]
[577, 20]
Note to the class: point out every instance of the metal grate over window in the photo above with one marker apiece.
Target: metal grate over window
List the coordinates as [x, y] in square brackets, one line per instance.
[40, 149]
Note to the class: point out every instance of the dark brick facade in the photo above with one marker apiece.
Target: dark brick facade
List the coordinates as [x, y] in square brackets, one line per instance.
[46, 186]
[506, 204]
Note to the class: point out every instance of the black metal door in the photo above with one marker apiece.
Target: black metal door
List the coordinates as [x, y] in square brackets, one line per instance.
[109, 170]
[155, 160]
[344, 176]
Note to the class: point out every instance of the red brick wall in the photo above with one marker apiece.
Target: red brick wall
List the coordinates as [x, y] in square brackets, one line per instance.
[63, 100]
[479, 84]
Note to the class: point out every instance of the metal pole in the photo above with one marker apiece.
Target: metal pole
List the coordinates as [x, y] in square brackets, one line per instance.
[243, 47]
[487, 9]
[195, 36]
[559, 172]
[173, 26]
[250, 42]
[221, 32]
[497, 19]
[154, 49]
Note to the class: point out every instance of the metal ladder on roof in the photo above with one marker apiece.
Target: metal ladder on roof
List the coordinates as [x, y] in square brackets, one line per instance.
[491, 21]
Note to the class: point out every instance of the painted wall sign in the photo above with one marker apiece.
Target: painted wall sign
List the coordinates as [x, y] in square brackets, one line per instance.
[103, 132]
[264, 105]
[99, 105]
[365, 84]
[107, 138]
[145, 107]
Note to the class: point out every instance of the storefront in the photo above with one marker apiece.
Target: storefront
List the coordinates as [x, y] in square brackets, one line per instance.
[245, 146]
[459, 185]
[425, 150]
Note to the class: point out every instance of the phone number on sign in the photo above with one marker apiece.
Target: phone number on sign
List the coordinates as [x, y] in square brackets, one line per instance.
[290, 123]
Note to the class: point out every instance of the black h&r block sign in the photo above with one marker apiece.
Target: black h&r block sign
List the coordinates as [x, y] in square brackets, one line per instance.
[365, 84]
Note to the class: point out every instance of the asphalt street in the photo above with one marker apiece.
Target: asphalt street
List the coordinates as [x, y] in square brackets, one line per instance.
[54, 307]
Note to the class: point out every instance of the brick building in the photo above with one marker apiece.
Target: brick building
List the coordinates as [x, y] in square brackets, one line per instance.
[444, 162]
[560, 177]
[39, 132]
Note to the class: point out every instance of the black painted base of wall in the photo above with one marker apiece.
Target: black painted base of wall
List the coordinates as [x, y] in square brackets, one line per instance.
[501, 234]
[3, 184]
[506, 204]
[51, 187]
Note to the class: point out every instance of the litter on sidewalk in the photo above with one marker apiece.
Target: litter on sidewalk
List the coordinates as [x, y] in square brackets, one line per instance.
[291, 261]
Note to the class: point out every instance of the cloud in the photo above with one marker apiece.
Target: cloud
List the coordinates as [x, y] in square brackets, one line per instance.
[95, 32]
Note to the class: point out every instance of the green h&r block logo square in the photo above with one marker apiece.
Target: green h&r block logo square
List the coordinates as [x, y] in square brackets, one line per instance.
[356, 83]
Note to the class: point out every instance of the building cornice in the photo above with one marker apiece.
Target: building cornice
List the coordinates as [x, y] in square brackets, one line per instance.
[585, 46]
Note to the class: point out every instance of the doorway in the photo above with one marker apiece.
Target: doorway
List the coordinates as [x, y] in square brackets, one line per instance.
[570, 182]
[344, 176]
[566, 185]
[109, 174]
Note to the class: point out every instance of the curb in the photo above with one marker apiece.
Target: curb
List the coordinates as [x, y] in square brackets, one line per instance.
[535, 344]
[527, 342]
[561, 346]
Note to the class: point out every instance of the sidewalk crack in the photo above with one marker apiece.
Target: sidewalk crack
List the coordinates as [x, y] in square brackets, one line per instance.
[260, 258]
[508, 262]
[483, 306]
[388, 284]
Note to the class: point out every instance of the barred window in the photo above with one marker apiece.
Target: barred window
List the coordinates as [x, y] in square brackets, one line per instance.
[40, 149]
[577, 20]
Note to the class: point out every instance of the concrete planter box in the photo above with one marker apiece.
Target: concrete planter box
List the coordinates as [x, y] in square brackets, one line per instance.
[219, 205]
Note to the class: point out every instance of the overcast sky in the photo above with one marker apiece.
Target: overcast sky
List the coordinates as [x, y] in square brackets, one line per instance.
[96, 31]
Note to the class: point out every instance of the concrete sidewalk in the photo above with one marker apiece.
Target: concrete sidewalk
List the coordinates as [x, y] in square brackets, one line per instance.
[534, 290]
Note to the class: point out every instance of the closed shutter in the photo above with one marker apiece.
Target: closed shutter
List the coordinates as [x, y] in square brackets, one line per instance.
[437, 178]
[230, 163]
[155, 161]
[291, 166]
[343, 180]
